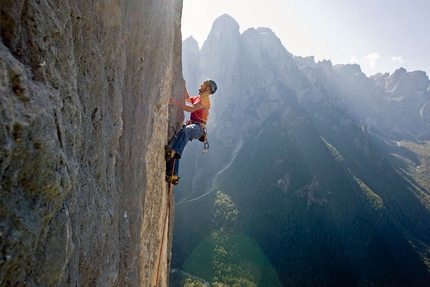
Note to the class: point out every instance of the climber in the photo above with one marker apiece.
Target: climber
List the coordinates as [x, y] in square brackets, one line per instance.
[194, 129]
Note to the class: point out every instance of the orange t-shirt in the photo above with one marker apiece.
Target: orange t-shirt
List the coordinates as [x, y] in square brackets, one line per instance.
[202, 114]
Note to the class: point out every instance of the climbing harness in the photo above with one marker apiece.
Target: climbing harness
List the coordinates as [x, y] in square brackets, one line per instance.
[165, 222]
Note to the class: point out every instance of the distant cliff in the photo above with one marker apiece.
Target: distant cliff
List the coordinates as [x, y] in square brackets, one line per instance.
[84, 87]
[324, 169]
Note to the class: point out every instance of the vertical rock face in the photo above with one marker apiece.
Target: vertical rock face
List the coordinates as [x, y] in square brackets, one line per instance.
[84, 87]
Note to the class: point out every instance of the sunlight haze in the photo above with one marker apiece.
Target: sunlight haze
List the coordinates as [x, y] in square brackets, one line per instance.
[380, 36]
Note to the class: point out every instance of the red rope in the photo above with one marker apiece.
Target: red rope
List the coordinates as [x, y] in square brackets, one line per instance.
[165, 222]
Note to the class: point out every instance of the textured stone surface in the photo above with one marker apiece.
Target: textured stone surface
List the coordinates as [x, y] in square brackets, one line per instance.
[84, 87]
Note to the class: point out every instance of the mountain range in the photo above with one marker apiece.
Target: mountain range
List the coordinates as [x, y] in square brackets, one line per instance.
[317, 175]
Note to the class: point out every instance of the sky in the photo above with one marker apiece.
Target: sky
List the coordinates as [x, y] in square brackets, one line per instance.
[379, 35]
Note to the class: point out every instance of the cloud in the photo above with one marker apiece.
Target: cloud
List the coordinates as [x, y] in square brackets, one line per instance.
[397, 59]
[371, 59]
[354, 59]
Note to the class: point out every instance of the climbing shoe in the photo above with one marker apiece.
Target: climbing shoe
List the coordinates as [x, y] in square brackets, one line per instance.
[167, 152]
[173, 178]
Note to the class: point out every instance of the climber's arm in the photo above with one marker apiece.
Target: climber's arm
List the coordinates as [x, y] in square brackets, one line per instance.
[187, 96]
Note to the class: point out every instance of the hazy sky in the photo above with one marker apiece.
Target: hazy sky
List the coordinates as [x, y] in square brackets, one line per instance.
[379, 35]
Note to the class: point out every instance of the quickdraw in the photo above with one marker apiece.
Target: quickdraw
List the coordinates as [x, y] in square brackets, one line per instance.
[205, 139]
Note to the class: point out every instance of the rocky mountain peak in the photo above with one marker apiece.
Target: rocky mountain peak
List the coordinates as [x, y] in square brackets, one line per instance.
[310, 61]
[190, 47]
[349, 70]
[224, 29]
[225, 21]
[191, 44]
[269, 40]
[327, 64]
[402, 82]
[420, 80]
[400, 73]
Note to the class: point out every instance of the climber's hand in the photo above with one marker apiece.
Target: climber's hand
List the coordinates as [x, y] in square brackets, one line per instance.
[173, 101]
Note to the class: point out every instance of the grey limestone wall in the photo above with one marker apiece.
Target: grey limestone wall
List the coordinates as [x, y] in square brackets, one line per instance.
[84, 87]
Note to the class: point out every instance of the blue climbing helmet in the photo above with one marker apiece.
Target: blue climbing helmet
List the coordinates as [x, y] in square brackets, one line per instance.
[213, 85]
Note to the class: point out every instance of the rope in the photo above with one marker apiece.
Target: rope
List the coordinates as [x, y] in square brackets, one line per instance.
[165, 222]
